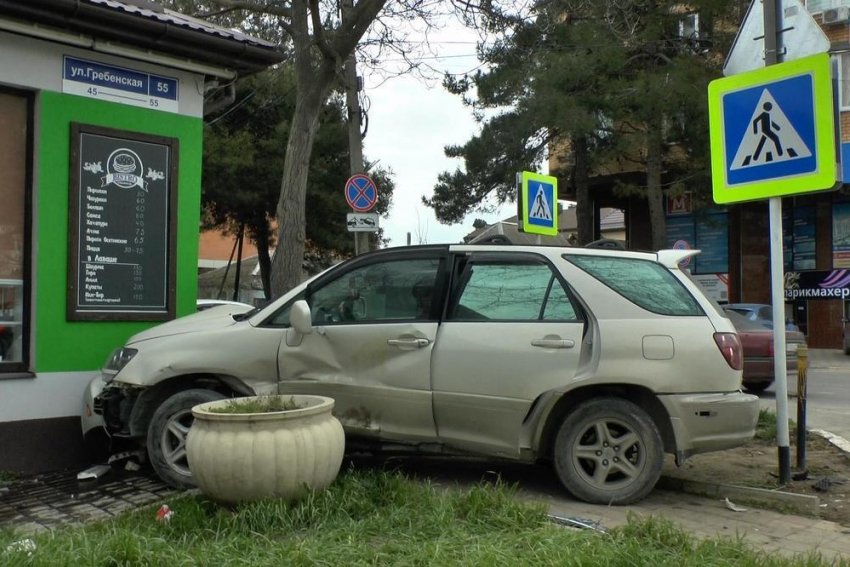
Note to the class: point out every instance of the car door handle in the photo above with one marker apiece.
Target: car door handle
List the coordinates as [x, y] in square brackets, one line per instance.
[553, 343]
[409, 343]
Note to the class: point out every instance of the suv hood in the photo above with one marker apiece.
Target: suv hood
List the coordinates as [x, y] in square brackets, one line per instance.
[215, 318]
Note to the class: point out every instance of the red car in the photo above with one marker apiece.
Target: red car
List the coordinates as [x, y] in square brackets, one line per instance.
[758, 351]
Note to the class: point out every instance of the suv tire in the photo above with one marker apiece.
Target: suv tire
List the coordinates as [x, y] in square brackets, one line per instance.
[167, 433]
[608, 451]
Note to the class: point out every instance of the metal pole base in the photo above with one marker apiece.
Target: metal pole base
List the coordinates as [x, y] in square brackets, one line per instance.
[784, 465]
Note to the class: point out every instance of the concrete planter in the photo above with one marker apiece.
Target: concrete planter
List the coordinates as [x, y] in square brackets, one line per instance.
[238, 457]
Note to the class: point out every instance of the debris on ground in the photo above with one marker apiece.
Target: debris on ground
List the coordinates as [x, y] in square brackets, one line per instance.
[734, 507]
[802, 475]
[826, 483]
[137, 454]
[21, 546]
[94, 472]
[132, 466]
[577, 523]
[164, 514]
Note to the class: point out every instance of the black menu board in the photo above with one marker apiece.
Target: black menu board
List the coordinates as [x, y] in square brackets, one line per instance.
[122, 226]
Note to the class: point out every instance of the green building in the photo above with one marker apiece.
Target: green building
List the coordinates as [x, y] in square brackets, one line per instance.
[101, 114]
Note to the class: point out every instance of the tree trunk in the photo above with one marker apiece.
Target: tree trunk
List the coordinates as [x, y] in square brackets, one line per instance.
[264, 260]
[654, 192]
[584, 207]
[286, 266]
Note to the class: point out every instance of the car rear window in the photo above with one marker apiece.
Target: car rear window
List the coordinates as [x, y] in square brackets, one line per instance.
[646, 284]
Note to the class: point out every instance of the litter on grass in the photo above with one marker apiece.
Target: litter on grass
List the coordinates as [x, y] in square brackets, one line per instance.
[734, 507]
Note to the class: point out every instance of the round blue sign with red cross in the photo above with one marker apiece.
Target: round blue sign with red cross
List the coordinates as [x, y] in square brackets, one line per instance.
[361, 193]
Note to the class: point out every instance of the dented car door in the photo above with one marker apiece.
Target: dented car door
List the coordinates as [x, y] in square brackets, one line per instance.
[374, 327]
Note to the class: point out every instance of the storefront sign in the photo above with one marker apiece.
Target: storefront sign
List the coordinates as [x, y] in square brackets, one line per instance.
[117, 84]
[715, 286]
[821, 284]
[841, 235]
[122, 225]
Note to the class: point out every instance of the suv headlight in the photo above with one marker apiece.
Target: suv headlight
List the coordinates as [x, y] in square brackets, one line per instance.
[117, 361]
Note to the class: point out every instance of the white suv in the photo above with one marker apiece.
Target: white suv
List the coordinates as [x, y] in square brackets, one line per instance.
[599, 361]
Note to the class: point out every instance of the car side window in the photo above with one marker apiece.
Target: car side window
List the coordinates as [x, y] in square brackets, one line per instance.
[400, 290]
[512, 291]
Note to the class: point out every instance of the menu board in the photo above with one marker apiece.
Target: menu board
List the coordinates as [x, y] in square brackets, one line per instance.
[122, 226]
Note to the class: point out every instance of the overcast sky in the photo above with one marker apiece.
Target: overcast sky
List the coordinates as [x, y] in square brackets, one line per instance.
[410, 122]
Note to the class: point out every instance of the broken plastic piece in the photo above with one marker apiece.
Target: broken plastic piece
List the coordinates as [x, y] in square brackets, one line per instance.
[132, 466]
[734, 507]
[164, 514]
[22, 545]
[579, 523]
[94, 472]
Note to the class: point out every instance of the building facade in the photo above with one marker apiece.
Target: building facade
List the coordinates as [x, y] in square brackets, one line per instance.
[101, 109]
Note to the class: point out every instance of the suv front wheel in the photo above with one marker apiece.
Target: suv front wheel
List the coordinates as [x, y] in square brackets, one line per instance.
[167, 436]
[608, 451]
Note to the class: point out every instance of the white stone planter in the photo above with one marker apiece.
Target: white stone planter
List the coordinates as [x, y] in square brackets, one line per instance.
[238, 457]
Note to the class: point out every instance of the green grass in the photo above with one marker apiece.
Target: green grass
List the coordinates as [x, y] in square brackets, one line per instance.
[258, 404]
[766, 427]
[369, 518]
[8, 476]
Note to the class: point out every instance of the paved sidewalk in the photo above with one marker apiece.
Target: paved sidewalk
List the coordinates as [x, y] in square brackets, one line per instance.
[46, 501]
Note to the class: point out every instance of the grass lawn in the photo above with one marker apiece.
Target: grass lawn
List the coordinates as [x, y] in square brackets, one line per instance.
[369, 518]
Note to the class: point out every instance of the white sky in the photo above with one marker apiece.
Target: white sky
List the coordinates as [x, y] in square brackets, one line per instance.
[410, 122]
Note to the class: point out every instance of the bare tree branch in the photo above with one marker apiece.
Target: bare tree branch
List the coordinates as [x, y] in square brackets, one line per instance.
[319, 33]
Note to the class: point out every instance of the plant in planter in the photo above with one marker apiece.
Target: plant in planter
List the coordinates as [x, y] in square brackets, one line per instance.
[264, 447]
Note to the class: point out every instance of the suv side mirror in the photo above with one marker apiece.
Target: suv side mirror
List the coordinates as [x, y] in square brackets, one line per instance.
[300, 318]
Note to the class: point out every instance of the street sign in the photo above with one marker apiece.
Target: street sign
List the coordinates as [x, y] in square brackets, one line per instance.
[800, 33]
[539, 204]
[362, 222]
[772, 131]
[683, 245]
[361, 193]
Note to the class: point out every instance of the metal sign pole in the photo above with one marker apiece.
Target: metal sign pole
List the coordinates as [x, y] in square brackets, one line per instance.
[777, 277]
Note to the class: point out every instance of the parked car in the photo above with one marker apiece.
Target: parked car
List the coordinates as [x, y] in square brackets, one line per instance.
[759, 313]
[598, 361]
[204, 304]
[759, 352]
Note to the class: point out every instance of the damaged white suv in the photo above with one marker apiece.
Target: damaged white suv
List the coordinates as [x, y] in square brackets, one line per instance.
[598, 361]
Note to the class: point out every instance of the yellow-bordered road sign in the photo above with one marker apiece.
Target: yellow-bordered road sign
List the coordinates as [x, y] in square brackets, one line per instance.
[539, 203]
[772, 131]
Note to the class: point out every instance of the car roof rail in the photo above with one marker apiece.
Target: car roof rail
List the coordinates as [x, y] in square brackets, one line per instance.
[606, 243]
[494, 239]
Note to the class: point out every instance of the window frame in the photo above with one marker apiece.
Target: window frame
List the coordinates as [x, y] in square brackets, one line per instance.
[23, 368]
[469, 260]
[702, 313]
[440, 254]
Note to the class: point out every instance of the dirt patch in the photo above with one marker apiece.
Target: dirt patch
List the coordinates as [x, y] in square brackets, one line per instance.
[756, 465]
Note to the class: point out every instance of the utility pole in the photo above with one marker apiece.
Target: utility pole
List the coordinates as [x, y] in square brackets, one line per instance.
[352, 102]
[772, 48]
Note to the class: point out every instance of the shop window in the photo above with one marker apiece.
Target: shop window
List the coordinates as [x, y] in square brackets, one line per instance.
[798, 235]
[14, 238]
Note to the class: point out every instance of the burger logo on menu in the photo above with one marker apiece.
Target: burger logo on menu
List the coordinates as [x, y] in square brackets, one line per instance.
[124, 168]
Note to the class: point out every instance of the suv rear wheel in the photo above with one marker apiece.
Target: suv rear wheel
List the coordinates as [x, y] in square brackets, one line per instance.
[608, 451]
[167, 436]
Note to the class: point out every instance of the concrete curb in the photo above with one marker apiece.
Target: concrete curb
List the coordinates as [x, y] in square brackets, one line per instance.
[800, 502]
[836, 440]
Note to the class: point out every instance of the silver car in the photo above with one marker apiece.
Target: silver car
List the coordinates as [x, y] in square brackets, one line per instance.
[598, 361]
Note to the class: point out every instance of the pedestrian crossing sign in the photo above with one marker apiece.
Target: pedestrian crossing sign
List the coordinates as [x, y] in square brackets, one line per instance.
[773, 131]
[539, 204]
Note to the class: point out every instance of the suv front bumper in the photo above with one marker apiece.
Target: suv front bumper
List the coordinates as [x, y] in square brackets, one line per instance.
[711, 422]
[91, 418]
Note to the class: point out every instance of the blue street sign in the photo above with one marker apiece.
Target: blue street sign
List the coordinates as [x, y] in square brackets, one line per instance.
[361, 193]
[538, 198]
[772, 131]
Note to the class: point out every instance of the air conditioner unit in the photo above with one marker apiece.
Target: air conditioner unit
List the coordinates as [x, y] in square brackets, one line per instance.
[836, 16]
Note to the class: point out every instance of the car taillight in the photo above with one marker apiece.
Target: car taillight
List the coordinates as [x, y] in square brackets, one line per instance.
[730, 347]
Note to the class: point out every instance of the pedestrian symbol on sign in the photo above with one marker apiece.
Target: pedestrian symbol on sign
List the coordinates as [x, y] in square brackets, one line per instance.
[541, 209]
[770, 138]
